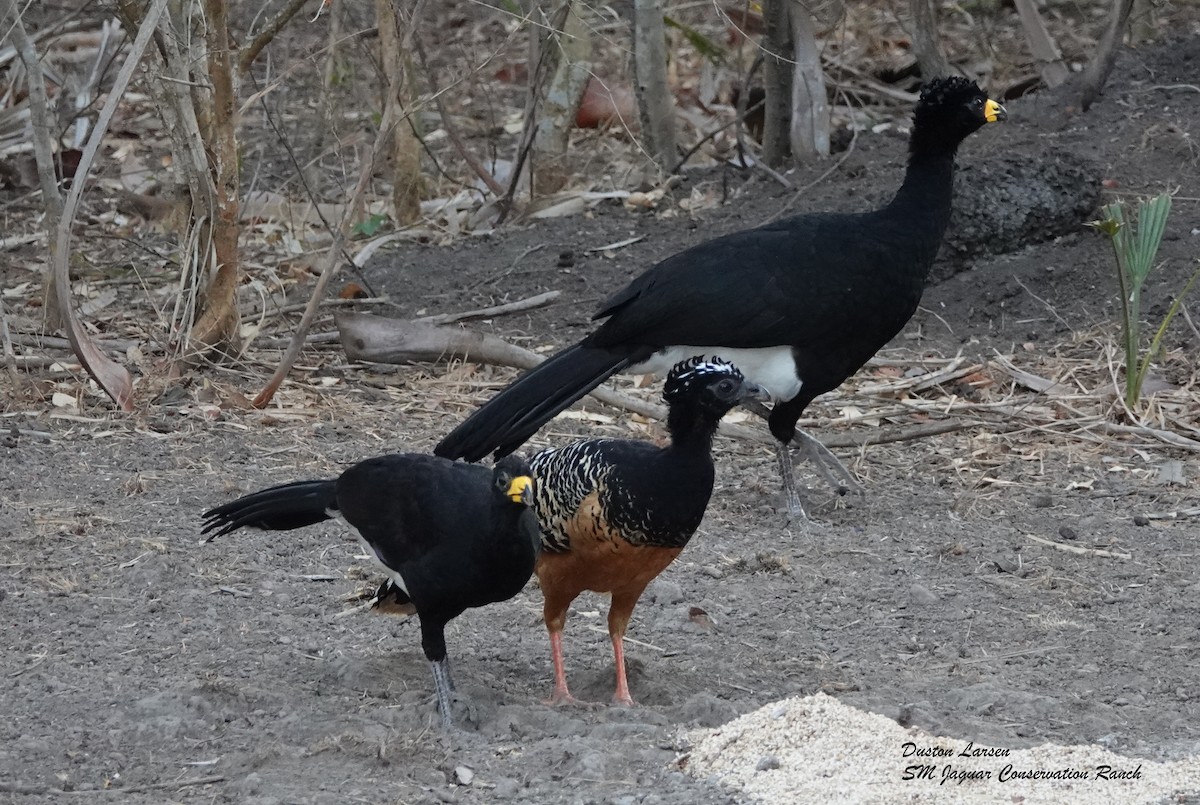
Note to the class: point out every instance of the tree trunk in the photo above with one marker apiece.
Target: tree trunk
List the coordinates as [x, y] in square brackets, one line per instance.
[569, 48]
[809, 135]
[217, 327]
[656, 107]
[1098, 69]
[777, 78]
[926, 42]
[405, 149]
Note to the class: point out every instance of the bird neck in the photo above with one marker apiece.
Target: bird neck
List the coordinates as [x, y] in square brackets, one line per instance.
[691, 429]
[928, 181]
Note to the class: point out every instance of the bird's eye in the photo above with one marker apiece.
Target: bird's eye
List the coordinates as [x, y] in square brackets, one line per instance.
[976, 103]
[503, 480]
[725, 386]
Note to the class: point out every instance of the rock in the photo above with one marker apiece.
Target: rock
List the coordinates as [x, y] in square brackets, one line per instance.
[767, 763]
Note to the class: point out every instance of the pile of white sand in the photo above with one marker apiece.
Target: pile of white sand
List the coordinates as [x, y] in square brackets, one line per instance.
[815, 749]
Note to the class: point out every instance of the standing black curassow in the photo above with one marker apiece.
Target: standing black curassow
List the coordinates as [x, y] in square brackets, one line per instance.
[798, 305]
[450, 535]
[614, 513]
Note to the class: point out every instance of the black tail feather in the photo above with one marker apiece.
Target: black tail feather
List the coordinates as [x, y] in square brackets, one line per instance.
[279, 508]
[507, 420]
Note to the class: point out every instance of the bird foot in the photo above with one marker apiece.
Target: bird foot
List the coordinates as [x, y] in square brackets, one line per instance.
[560, 697]
[623, 701]
[828, 466]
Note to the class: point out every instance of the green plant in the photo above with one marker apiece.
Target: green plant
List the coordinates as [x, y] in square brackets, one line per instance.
[1135, 242]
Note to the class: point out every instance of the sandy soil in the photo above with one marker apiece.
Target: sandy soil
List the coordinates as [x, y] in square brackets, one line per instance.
[1008, 587]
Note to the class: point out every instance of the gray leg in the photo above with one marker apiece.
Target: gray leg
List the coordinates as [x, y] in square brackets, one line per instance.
[443, 686]
[795, 507]
[821, 457]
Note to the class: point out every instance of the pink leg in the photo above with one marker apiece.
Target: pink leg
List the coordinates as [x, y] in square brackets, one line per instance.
[560, 695]
[621, 697]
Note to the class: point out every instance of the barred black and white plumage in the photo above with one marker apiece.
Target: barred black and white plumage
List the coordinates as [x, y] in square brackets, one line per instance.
[614, 512]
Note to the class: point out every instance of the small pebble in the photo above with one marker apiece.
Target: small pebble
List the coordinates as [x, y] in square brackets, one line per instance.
[767, 763]
[1141, 519]
[1043, 502]
[1066, 532]
[463, 775]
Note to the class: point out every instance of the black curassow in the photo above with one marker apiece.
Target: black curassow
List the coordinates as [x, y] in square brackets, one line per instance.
[451, 536]
[798, 305]
[614, 513]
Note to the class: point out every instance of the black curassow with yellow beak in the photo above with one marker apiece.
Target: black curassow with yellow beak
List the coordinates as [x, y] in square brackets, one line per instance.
[451, 536]
[798, 305]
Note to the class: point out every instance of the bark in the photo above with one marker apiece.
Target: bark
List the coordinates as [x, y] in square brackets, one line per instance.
[216, 330]
[398, 92]
[777, 78]
[567, 54]
[656, 106]
[926, 42]
[1096, 74]
[809, 133]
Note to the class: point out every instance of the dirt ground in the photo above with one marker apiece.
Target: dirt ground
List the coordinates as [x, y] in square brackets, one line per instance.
[1015, 581]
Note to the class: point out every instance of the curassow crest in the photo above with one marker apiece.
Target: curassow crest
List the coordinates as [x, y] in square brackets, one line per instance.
[450, 535]
[799, 304]
[615, 512]
[694, 373]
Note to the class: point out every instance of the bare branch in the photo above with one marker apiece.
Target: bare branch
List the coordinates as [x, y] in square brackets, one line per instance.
[111, 377]
[264, 37]
[43, 149]
[1054, 70]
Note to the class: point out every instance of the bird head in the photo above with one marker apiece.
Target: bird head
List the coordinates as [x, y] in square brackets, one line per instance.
[714, 383]
[950, 109]
[514, 479]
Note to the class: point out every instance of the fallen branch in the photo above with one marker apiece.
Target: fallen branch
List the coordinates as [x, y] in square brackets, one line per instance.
[1077, 549]
[373, 338]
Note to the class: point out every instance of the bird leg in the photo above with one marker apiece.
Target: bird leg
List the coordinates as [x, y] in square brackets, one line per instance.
[621, 696]
[821, 457]
[560, 695]
[443, 686]
[794, 506]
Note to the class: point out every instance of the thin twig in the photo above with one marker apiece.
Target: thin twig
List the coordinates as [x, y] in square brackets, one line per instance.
[452, 129]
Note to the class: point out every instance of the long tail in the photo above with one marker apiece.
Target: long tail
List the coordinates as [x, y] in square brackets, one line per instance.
[279, 508]
[503, 423]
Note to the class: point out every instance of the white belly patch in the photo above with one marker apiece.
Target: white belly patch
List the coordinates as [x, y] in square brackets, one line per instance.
[773, 368]
[370, 551]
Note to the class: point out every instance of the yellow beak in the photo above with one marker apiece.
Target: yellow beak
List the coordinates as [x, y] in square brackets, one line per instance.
[521, 490]
[993, 112]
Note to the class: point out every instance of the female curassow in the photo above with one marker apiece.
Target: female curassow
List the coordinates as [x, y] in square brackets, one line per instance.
[614, 513]
[450, 535]
[799, 304]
